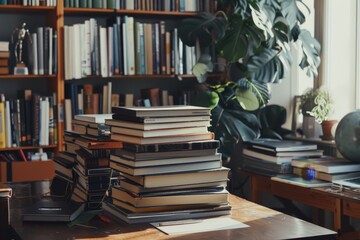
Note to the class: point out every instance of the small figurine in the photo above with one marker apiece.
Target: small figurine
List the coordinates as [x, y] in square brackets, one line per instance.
[21, 34]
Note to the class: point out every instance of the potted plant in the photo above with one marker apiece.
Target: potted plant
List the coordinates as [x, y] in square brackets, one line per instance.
[317, 104]
[254, 37]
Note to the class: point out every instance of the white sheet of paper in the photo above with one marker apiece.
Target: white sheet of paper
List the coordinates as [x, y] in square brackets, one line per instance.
[198, 225]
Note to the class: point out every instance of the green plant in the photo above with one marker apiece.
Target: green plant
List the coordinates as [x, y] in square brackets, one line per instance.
[254, 36]
[316, 103]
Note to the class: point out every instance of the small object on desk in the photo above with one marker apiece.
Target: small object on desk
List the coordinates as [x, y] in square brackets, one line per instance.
[48, 210]
[198, 225]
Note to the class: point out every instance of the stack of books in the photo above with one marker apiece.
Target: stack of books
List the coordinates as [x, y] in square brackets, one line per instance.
[91, 171]
[4, 57]
[169, 165]
[272, 156]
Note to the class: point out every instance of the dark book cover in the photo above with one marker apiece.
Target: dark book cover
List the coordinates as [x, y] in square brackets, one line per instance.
[53, 211]
[89, 161]
[281, 145]
[36, 118]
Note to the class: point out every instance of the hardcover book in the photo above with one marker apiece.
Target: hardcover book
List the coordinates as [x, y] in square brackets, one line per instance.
[53, 211]
[160, 119]
[164, 111]
[155, 126]
[276, 145]
[327, 164]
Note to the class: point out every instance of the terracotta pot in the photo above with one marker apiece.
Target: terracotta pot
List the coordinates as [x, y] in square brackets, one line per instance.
[327, 128]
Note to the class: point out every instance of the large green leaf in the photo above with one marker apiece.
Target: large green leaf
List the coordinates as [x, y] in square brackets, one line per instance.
[262, 20]
[292, 12]
[205, 27]
[238, 38]
[311, 53]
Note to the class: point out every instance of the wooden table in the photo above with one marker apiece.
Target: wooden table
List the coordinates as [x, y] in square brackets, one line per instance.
[342, 204]
[265, 223]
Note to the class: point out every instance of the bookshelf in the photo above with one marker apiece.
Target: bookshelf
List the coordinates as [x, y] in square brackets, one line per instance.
[57, 17]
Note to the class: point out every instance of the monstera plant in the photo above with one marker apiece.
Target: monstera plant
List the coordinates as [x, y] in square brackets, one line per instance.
[254, 37]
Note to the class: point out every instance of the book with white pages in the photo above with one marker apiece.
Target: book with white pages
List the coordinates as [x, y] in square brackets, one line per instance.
[166, 161]
[155, 126]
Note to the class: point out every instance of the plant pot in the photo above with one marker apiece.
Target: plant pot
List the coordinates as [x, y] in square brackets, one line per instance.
[327, 129]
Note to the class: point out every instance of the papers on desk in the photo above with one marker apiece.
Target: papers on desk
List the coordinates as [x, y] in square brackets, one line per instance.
[198, 225]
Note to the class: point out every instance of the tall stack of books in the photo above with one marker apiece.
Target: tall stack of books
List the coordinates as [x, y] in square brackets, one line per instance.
[273, 156]
[4, 57]
[91, 148]
[169, 165]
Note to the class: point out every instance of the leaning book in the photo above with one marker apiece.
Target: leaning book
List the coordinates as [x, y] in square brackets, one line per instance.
[53, 211]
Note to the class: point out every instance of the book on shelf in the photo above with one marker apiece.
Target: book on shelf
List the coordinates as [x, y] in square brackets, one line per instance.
[162, 139]
[265, 157]
[93, 118]
[155, 126]
[159, 132]
[327, 176]
[327, 164]
[176, 179]
[168, 147]
[47, 210]
[276, 145]
[144, 217]
[148, 120]
[140, 156]
[201, 197]
[166, 161]
[137, 188]
[161, 169]
[162, 111]
[299, 181]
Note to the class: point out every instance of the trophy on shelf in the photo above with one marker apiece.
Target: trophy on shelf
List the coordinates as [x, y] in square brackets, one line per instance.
[20, 34]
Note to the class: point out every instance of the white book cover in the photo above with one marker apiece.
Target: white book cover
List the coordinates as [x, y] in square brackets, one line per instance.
[50, 50]
[176, 51]
[35, 54]
[93, 29]
[76, 51]
[130, 5]
[181, 53]
[68, 115]
[40, 47]
[188, 59]
[130, 45]
[44, 122]
[109, 88]
[110, 54]
[103, 53]
[70, 59]
[8, 124]
[125, 50]
[83, 45]
[87, 43]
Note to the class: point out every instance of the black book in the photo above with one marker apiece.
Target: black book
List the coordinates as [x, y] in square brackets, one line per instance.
[53, 211]
[276, 145]
[168, 147]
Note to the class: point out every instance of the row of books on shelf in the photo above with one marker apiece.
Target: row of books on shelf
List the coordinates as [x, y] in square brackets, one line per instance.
[119, 48]
[28, 120]
[4, 57]
[21, 155]
[146, 5]
[29, 2]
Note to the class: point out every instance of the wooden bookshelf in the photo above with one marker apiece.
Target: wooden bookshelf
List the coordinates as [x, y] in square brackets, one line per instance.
[57, 17]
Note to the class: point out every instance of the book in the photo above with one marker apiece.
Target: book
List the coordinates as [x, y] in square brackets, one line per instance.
[160, 119]
[166, 161]
[276, 145]
[2, 126]
[155, 126]
[93, 118]
[159, 132]
[53, 211]
[267, 168]
[161, 169]
[168, 147]
[265, 157]
[137, 188]
[299, 181]
[139, 156]
[131, 217]
[176, 179]
[305, 153]
[201, 197]
[89, 161]
[64, 166]
[90, 144]
[164, 111]
[157, 140]
[327, 164]
[327, 176]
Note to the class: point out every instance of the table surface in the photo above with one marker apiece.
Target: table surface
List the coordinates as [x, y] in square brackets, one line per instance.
[264, 224]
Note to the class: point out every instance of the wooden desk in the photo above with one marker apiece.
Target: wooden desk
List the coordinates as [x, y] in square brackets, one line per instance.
[342, 205]
[264, 223]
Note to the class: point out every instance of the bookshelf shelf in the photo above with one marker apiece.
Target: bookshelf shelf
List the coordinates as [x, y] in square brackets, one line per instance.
[26, 9]
[28, 148]
[26, 76]
[76, 11]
